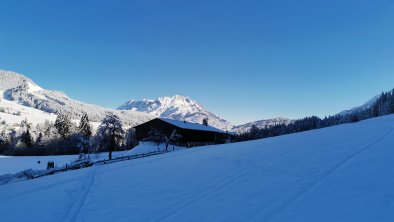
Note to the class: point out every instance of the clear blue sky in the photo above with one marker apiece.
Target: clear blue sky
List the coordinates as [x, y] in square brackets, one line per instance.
[244, 60]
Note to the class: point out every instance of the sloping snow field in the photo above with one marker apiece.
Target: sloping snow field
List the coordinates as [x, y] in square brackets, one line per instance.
[343, 173]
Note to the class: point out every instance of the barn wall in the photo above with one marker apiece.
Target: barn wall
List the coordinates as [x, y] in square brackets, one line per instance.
[189, 137]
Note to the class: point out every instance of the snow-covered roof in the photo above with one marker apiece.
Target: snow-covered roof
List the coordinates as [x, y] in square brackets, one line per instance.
[191, 126]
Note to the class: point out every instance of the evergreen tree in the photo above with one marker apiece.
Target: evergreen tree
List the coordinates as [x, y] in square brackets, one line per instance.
[4, 141]
[39, 140]
[254, 131]
[85, 132]
[84, 126]
[111, 133]
[26, 138]
[63, 125]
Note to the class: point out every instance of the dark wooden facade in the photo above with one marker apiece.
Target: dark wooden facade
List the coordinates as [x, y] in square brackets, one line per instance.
[190, 135]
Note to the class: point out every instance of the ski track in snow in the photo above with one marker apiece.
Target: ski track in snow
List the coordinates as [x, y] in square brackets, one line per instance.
[169, 216]
[79, 204]
[60, 182]
[281, 205]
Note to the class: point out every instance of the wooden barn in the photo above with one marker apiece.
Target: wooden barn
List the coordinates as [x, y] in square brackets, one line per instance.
[192, 134]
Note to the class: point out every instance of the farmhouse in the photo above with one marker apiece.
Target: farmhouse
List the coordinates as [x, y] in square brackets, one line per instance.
[191, 134]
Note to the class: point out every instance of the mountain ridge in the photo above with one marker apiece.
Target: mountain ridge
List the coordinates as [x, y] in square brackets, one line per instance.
[18, 88]
[24, 91]
[177, 107]
[262, 124]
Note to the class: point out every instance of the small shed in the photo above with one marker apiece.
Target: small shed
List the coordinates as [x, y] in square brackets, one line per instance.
[192, 134]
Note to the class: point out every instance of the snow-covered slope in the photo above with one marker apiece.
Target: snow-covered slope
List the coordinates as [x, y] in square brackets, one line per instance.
[177, 108]
[23, 91]
[13, 113]
[262, 124]
[363, 107]
[343, 173]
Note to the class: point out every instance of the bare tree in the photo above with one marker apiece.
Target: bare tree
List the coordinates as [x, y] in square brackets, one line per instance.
[158, 137]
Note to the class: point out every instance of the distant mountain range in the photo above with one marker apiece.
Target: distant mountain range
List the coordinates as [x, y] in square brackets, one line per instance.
[20, 90]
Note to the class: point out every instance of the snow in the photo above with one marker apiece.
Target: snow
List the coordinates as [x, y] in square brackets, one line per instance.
[9, 80]
[343, 173]
[33, 87]
[33, 116]
[148, 147]
[178, 108]
[18, 90]
[261, 124]
[15, 164]
[191, 126]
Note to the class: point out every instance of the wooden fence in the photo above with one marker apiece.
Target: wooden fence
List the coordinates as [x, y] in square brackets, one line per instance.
[88, 163]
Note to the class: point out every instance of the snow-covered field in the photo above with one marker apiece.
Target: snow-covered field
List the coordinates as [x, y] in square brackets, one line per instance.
[15, 164]
[343, 173]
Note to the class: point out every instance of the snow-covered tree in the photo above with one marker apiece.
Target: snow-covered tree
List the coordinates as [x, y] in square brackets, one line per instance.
[111, 133]
[63, 125]
[4, 140]
[84, 135]
[48, 130]
[84, 128]
[24, 125]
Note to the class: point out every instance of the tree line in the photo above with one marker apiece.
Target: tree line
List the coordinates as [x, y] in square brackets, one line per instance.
[384, 105]
[64, 137]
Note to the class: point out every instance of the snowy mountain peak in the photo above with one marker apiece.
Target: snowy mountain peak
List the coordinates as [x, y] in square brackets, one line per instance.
[9, 80]
[178, 108]
[17, 89]
[159, 105]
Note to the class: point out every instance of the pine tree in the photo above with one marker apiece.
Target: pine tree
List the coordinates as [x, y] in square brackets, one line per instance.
[4, 141]
[111, 133]
[26, 138]
[39, 140]
[84, 126]
[63, 125]
[85, 132]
